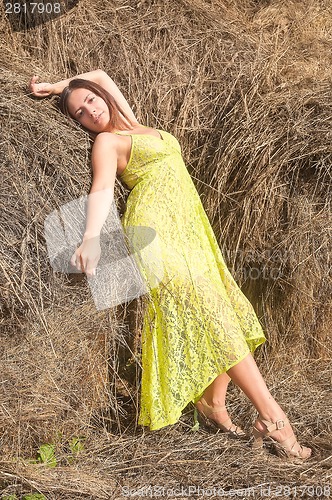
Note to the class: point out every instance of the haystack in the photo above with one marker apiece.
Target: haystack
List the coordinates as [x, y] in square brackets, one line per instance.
[246, 88]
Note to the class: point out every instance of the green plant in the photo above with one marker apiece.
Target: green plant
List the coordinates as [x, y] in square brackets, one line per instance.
[46, 455]
[76, 444]
[195, 427]
[34, 496]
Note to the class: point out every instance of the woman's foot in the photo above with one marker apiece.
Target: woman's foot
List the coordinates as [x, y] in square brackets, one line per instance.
[217, 416]
[280, 433]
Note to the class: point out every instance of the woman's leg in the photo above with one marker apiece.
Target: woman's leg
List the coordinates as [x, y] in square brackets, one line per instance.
[215, 396]
[216, 392]
[247, 376]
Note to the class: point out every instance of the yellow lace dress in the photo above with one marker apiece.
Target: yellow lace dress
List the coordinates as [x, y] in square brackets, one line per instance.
[197, 323]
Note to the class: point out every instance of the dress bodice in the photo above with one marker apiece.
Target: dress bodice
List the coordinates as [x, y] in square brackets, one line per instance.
[149, 156]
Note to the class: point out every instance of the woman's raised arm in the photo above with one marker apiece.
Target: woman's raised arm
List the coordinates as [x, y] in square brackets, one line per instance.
[98, 76]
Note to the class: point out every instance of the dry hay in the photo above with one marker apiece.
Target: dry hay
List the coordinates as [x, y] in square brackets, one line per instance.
[246, 88]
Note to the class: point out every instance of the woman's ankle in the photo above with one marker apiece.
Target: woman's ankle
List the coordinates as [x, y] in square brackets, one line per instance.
[216, 412]
[271, 411]
[215, 402]
[278, 427]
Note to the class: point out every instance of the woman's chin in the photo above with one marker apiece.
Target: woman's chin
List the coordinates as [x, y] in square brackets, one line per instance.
[104, 127]
[97, 128]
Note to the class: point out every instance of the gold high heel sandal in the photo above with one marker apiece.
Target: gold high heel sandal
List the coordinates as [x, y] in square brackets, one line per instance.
[283, 448]
[227, 426]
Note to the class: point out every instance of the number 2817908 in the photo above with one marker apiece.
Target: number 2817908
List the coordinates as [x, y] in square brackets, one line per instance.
[32, 8]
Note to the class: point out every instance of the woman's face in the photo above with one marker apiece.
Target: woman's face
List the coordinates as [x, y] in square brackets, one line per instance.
[89, 110]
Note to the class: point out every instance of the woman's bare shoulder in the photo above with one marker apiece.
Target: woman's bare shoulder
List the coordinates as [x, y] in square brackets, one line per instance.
[106, 140]
[105, 137]
[109, 143]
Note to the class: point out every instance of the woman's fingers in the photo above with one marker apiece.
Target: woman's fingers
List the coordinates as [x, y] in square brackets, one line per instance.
[91, 272]
[33, 80]
[81, 263]
[84, 264]
[76, 260]
[90, 267]
[39, 89]
[32, 83]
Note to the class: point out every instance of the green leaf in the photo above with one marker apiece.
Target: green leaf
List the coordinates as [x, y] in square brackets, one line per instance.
[46, 455]
[195, 427]
[76, 444]
[34, 496]
[9, 497]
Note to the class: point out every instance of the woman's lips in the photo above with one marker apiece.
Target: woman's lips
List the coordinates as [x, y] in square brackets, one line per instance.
[96, 120]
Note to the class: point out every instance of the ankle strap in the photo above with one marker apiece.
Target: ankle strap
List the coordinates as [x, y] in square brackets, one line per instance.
[277, 425]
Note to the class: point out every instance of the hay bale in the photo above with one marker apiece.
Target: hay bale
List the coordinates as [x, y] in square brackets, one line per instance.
[250, 104]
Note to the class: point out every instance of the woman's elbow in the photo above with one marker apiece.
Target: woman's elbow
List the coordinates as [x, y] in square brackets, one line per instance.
[100, 75]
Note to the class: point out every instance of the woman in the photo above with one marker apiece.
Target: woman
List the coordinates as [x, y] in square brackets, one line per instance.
[199, 329]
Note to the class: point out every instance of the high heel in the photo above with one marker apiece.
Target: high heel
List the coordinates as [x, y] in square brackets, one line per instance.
[283, 448]
[227, 426]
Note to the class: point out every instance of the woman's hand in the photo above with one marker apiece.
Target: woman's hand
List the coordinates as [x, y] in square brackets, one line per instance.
[40, 89]
[87, 255]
